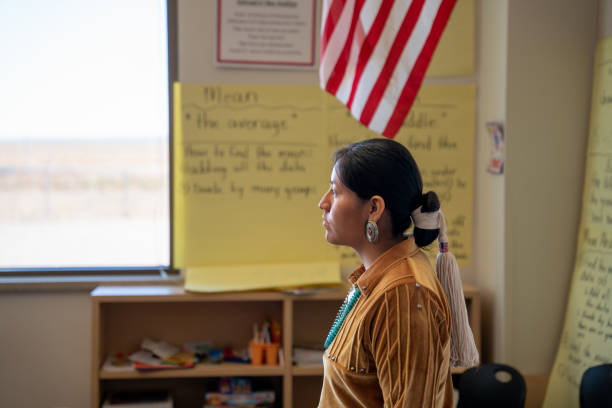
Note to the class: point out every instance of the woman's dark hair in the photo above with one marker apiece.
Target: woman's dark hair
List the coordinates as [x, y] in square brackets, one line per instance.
[386, 168]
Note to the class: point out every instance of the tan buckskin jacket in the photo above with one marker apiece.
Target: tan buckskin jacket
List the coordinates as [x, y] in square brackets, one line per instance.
[393, 349]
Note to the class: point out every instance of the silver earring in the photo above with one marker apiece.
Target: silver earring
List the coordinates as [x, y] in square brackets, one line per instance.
[372, 231]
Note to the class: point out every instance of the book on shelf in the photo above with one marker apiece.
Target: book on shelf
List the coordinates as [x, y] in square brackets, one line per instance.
[307, 356]
[251, 399]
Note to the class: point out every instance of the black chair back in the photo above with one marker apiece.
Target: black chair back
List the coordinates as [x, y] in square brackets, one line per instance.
[596, 387]
[492, 385]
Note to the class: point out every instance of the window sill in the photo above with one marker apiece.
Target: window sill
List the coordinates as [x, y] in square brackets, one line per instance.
[82, 282]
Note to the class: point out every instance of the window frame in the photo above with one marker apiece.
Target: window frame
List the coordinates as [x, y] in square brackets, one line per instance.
[90, 277]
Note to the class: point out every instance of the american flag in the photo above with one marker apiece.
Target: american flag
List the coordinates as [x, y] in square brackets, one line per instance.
[374, 54]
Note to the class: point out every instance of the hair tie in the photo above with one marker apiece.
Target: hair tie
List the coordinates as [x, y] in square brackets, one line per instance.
[432, 221]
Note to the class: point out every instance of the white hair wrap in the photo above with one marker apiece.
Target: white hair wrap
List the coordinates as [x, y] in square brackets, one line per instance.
[463, 347]
[430, 221]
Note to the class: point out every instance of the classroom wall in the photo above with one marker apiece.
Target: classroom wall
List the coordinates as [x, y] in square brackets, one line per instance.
[45, 349]
[604, 22]
[533, 71]
[551, 47]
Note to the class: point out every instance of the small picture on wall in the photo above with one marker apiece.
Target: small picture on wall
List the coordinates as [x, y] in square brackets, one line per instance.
[496, 155]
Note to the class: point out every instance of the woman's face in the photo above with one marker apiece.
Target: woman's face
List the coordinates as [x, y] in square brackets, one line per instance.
[344, 214]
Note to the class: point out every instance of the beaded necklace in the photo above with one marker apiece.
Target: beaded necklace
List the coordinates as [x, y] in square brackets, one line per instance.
[347, 305]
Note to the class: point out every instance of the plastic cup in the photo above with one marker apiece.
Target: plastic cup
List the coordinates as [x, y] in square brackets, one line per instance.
[257, 352]
[271, 353]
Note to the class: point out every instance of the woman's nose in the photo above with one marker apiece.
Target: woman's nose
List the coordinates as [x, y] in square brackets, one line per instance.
[323, 204]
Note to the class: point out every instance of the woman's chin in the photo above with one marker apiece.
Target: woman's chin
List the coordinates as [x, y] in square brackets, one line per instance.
[331, 239]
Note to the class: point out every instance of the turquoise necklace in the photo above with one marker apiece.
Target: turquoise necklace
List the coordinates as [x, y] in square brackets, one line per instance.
[347, 305]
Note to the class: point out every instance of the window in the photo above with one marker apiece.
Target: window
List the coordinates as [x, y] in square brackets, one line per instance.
[84, 134]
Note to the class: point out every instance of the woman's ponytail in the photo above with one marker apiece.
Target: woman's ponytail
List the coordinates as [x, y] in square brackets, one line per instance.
[430, 220]
[429, 204]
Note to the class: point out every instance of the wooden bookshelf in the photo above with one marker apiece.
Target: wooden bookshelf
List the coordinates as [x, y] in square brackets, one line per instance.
[124, 315]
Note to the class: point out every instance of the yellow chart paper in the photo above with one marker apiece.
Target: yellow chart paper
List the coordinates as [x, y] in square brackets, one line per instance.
[252, 161]
[587, 334]
[249, 175]
[265, 276]
[454, 55]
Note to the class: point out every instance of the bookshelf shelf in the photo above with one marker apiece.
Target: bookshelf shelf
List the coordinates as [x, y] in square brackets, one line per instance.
[200, 370]
[124, 315]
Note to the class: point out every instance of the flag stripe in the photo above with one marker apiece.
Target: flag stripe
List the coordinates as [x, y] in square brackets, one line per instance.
[409, 56]
[368, 13]
[331, 19]
[379, 56]
[403, 35]
[369, 43]
[344, 90]
[336, 43]
[364, 24]
[418, 72]
[335, 79]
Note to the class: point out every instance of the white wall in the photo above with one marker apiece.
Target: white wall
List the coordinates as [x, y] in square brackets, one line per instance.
[45, 349]
[604, 23]
[549, 79]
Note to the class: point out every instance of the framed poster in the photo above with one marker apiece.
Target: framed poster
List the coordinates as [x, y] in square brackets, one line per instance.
[266, 33]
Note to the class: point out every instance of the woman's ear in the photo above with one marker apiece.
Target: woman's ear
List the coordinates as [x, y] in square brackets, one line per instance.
[377, 207]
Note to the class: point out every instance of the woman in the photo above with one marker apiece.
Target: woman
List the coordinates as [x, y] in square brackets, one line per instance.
[390, 344]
